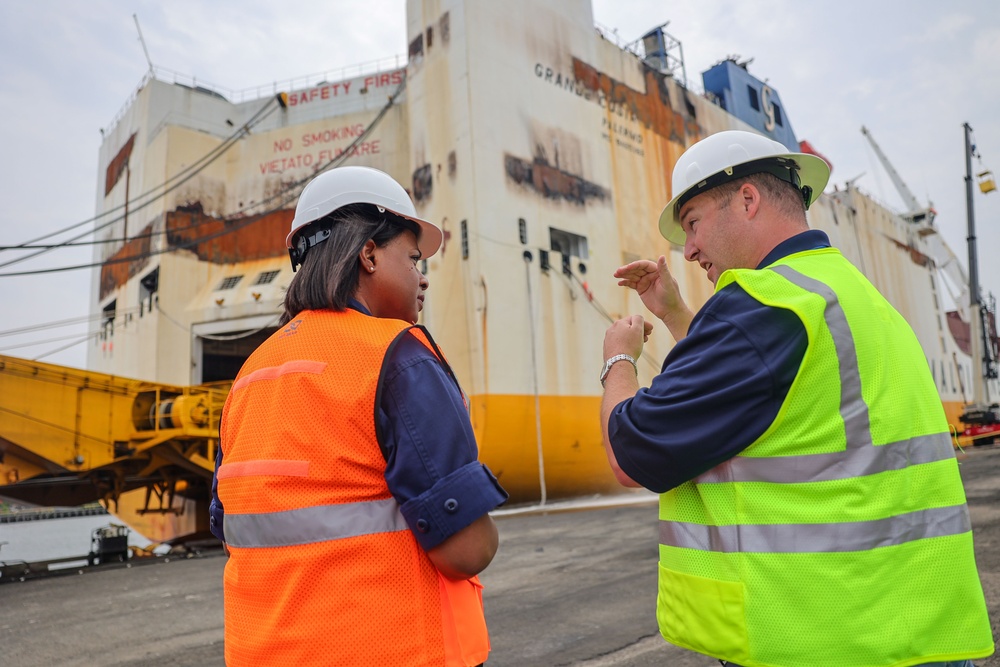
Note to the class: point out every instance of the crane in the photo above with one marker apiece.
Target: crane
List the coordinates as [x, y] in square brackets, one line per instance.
[981, 416]
[915, 213]
[957, 281]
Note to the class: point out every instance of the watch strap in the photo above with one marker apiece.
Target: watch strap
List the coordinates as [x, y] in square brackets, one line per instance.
[611, 361]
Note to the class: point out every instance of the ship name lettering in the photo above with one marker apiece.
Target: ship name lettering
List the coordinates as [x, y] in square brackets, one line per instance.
[621, 130]
[573, 85]
[560, 80]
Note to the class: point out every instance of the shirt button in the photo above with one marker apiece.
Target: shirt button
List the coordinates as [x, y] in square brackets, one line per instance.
[451, 505]
[423, 526]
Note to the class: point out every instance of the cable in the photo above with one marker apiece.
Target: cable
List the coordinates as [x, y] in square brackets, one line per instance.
[65, 347]
[336, 161]
[50, 325]
[133, 258]
[566, 271]
[224, 147]
[40, 342]
[238, 336]
[604, 313]
[211, 156]
[71, 244]
[534, 381]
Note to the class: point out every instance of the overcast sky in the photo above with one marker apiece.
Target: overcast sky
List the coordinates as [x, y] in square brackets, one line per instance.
[912, 71]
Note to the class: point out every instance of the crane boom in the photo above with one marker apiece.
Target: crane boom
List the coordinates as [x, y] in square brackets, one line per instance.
[915, 212]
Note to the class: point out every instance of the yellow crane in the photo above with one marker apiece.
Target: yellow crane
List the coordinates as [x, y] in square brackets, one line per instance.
[70, 436]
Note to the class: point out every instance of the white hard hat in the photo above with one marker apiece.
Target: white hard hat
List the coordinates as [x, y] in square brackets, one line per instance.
[733, 154]
[343, 186]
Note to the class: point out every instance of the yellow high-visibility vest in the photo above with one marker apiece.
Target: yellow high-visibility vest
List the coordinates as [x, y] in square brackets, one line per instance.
[841, 536]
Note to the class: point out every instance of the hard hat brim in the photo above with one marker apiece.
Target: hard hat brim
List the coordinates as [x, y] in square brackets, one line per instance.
[814, 172]
[428, 242]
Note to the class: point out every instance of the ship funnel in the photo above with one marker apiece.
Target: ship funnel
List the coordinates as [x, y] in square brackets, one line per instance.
[663, 52]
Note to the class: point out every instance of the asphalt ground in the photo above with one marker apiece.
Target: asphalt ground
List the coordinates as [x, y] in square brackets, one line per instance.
[573, 588]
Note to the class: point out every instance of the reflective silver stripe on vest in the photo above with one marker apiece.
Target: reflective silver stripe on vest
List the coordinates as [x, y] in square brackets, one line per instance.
[853, 408]
[313, 524]
[820, 537]
[837, 465]
[859, 458]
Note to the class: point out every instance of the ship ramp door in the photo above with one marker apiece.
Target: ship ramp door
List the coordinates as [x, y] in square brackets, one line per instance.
[220, 348]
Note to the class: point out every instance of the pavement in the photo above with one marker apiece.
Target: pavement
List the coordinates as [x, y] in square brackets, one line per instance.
[573, 585]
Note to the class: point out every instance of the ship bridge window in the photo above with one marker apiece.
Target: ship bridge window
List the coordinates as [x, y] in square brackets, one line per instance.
[266, 277]
[777, 115]
[149, 285]
[108, 320]
[229, 282]
[754, 100]
[568, 243]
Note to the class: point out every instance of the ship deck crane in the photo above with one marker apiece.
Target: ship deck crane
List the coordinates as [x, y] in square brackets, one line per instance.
[915, 213]
[980, 416]
[957, 281]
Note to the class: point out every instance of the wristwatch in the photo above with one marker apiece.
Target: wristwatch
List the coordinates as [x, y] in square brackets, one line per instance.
[614, 360]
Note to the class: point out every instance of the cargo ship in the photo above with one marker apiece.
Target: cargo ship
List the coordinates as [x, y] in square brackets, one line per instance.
[541, 146]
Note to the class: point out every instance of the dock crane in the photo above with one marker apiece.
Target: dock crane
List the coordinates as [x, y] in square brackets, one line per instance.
[981, 417]
[923, 217]
[917, 214]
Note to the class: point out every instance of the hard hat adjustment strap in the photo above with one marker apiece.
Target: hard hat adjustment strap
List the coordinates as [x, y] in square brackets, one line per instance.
[782, 168]
[304, 242]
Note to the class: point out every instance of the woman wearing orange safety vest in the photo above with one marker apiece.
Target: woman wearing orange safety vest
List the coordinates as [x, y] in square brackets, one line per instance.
[347, 486]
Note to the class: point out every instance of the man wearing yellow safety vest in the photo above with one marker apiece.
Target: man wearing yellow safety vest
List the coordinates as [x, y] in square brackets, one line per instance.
[812, 512]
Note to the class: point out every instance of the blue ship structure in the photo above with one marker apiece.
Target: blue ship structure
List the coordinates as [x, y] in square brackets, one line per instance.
[751, 100]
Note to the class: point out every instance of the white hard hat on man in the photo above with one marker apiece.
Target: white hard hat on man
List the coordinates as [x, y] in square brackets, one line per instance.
[733, 154]
[343, 186]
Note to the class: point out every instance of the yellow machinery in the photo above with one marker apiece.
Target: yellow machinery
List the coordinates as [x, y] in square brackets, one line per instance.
[69, 436]
[986, 182]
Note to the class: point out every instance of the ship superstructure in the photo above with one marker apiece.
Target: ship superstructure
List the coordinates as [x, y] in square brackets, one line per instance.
[542, 148]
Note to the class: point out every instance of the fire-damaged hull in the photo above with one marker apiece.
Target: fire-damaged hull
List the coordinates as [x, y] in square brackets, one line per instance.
[544, 152]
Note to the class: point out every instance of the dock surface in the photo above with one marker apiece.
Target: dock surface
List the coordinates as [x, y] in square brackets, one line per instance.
[574, 588]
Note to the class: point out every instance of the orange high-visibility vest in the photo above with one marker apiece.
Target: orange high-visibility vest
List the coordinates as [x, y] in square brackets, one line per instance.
[323, 569]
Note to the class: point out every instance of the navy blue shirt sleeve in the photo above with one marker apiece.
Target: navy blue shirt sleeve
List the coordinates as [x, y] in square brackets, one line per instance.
[216, 511]
[719, 390]
[432, 469]
[720, 387]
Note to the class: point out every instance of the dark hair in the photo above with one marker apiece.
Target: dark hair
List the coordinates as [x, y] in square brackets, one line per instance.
[785, 196]
[328, 277]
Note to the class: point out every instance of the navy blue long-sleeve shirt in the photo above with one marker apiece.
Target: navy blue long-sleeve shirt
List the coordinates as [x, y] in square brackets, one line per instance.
[719, 389]
[432, 466]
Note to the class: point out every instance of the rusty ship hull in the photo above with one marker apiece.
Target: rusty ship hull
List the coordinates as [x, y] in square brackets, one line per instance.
[541, 147]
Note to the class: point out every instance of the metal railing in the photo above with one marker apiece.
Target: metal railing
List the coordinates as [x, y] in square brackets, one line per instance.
[257, 92]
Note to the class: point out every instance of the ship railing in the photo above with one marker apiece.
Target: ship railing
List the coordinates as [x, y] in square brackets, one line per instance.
[671, 61]
[252, 93]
